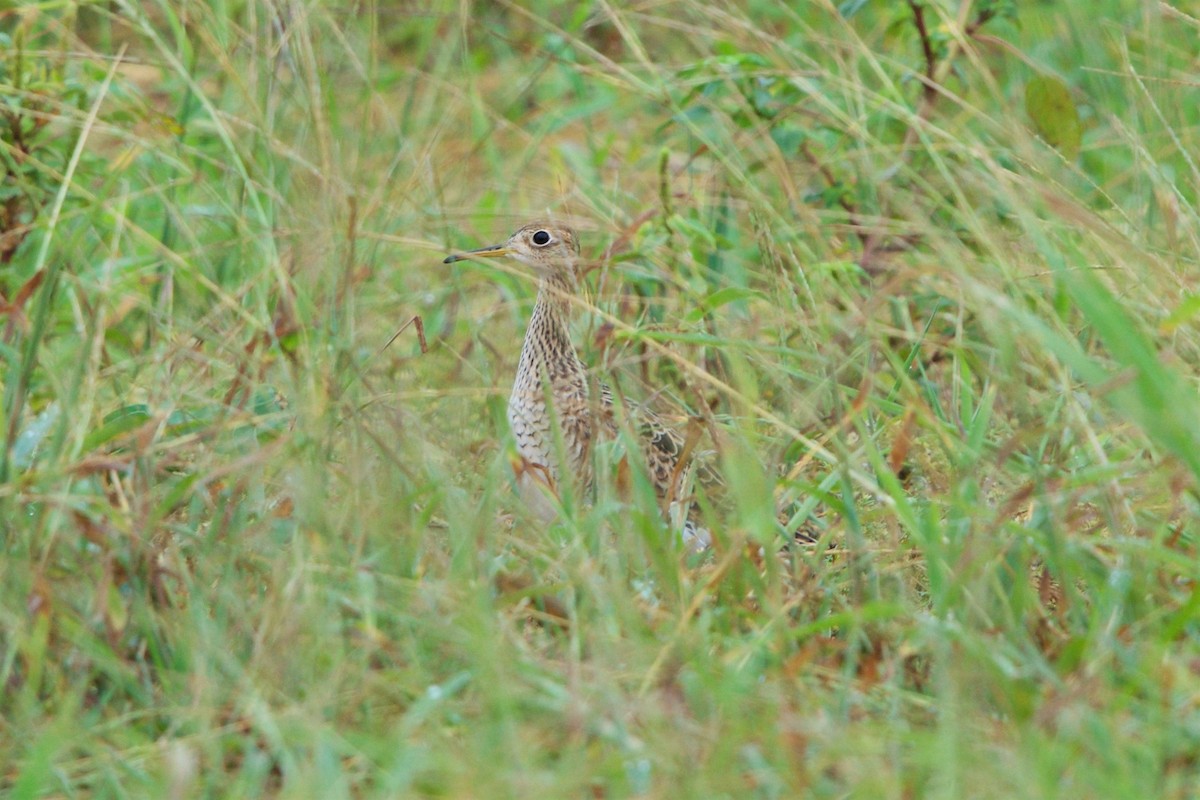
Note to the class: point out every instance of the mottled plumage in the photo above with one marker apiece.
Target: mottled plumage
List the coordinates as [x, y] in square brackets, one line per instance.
[580, 411]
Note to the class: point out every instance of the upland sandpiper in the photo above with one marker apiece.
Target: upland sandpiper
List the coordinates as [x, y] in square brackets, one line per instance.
[553, 388]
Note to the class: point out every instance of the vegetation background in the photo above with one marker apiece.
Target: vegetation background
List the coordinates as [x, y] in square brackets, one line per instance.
[925, 272]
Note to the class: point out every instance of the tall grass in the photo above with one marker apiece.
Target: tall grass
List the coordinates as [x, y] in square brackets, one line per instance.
[255, 545]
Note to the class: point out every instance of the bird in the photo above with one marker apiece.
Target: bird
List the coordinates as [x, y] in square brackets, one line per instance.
[557, 410]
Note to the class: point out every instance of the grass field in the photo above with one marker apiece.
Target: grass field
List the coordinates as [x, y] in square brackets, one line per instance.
[924, 274]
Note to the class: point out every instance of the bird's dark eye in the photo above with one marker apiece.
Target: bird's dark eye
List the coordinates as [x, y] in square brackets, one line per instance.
[541, 237]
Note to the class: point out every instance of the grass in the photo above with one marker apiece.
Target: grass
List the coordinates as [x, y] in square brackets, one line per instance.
[925, 273]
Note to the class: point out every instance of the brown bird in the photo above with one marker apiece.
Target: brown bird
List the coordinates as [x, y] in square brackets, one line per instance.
[553, 396]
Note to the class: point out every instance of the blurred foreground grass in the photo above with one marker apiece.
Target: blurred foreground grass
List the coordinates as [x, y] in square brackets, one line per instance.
[927, 271]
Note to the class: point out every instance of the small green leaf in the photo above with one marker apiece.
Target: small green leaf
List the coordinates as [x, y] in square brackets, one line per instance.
[267, 400]
[1186, 311]
[1049, 105]
[850, 7]
[839, 267]
[30, 439]
[788, 139]
[175, 496]
[696, 231]
[721, 297]
[121, 421]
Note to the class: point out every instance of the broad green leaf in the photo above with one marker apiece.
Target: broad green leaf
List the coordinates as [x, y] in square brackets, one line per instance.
[1049, 105]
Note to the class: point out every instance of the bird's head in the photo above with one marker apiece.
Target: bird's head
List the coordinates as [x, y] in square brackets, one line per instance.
[550, 248]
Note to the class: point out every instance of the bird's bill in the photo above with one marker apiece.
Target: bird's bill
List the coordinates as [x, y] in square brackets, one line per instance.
[494, 251]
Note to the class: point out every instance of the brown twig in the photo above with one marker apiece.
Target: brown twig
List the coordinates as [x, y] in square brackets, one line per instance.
[872, 241]
[929, 91]
[420, 324]
[973, 27]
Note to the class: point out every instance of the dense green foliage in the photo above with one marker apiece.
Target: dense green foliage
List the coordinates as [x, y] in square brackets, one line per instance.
[923, 273]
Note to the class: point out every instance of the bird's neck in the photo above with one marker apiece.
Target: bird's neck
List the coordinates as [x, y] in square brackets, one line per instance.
[547, 353]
